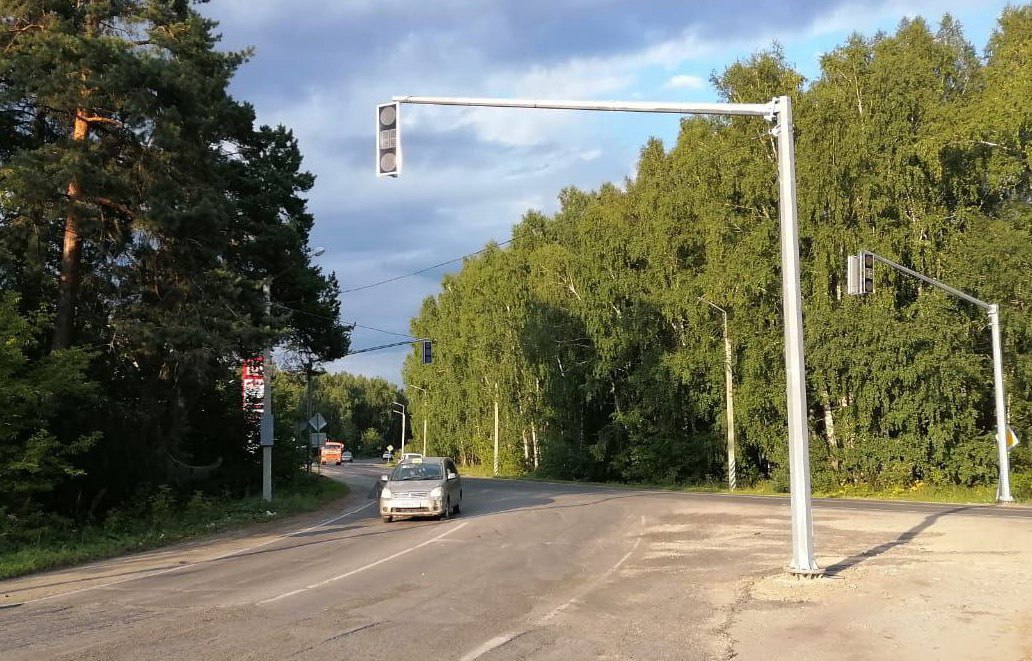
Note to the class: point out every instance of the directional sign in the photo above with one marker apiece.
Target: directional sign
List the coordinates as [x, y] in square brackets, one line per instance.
[1012, 439]
[317, 422]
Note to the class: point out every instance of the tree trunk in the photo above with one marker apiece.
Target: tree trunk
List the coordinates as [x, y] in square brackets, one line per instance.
[71, 253]
[534, 440]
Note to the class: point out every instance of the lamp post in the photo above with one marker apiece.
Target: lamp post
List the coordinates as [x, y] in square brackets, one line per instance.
[267, 433]
[730, 396]
[402, 412]
[427, 393]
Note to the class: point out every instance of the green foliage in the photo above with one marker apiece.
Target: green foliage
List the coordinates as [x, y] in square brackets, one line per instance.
[357, 410]
[38, 541]
[32, 393]
[589, 334]
[118, 135]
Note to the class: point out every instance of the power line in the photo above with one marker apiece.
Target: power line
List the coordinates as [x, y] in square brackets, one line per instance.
[353, 324]
[380, 330]
[377, 348]
[424, 270]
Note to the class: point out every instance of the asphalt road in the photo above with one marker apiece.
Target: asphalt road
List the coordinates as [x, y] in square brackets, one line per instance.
[528, 570]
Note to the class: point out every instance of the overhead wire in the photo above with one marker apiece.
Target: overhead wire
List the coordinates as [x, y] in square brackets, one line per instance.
[424, 270]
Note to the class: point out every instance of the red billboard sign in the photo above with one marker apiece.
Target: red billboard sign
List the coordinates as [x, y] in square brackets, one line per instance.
[253, 381]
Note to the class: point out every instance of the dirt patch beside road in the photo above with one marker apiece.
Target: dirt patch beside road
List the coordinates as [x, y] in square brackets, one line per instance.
[899, 586]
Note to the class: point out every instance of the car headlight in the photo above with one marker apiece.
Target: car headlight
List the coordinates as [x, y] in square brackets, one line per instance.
[386, 493]
[436, 492]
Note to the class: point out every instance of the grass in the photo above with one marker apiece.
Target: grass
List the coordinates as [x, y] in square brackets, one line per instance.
[52, 542]
[918, 493]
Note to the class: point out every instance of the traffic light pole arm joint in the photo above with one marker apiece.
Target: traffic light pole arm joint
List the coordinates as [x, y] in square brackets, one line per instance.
[932, 281]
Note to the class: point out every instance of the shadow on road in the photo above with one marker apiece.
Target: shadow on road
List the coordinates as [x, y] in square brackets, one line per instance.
[903, 539]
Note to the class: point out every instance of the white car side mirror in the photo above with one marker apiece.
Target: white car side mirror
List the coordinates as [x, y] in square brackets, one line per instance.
[383, 478]
[452, 476]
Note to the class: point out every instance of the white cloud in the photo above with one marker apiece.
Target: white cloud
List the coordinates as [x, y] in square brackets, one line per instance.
[685, 81]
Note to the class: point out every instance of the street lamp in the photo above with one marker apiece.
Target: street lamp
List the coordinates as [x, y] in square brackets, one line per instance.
[427, 393]
[729, 394]
[402, 412]
[268, 423]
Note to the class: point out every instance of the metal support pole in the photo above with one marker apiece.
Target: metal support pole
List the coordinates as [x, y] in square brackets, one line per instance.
[496, 438]
[779, 110]
[732, 477]
[729, 396]
[424, 435]
[403, 430]
[267, 418]
[803, 561]
[1003, 493]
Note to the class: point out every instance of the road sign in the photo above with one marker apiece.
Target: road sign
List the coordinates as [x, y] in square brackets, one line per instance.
[390, 448]
[1012, 439]
[317, 440]
[253, 382]
[317, 422]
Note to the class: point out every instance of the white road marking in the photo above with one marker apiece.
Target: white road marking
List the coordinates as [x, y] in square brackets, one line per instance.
[494, 643]
[200, 562]
[498, 641]
[362, 568]
[609, 572]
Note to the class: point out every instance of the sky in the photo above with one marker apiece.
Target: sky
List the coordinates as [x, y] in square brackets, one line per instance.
[320, 67]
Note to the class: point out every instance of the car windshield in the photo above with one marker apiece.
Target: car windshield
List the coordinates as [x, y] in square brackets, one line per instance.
[406, 472]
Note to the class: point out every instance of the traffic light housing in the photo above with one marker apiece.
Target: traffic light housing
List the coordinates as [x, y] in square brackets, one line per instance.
[866, 282]
[388, 140]
[860, 273]
[427, 352]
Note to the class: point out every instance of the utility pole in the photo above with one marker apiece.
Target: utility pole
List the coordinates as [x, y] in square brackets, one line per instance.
[402, 425]
[1003, 493]
[267, 429]
[778, 111]
[425, 415]
[729, 395]
[496, 433]
[267, 422]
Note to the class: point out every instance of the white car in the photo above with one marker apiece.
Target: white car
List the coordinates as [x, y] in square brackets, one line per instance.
[421, 486]
[410, 455]
[346, 457]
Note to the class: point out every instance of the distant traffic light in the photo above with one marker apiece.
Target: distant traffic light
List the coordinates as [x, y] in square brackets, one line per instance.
[860, 273]
[866, 283]
[388, 140]
[427, 353]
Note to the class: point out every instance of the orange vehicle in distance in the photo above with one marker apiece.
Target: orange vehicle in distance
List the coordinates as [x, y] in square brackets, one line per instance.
[331, 452]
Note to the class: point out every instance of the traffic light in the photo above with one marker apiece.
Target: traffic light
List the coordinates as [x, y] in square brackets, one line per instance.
[860, 273]
[866, 282]
[427, 353]
[388, 140]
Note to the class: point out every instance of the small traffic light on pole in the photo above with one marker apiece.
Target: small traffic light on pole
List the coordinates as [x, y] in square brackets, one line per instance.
[860, 273]
[427, 353]
[866, 260]
[388, 140]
